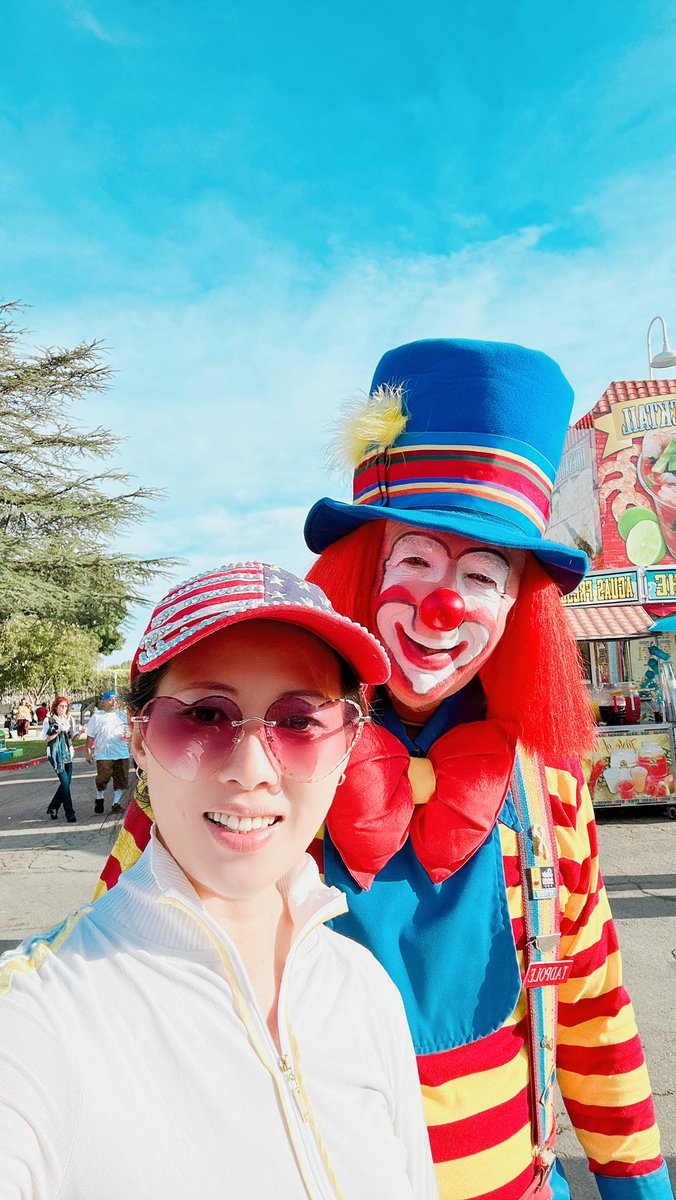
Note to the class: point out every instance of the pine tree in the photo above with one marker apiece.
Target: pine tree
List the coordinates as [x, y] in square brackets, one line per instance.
[59, 512]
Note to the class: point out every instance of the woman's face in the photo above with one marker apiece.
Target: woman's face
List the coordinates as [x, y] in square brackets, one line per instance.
[62, 709]
[253, 663]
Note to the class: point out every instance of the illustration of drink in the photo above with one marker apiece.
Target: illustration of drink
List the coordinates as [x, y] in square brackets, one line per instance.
[653, 757]
[639, 775]
[657, 475]
[619, 774]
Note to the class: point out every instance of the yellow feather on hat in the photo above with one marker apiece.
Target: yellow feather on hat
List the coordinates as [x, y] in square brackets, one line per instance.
[367, 425]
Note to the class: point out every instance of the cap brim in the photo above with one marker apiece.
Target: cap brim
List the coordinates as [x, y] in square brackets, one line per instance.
[329, 520]
[354, 643]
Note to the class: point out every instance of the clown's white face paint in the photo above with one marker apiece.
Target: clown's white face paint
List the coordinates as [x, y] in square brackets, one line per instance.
[441, 609]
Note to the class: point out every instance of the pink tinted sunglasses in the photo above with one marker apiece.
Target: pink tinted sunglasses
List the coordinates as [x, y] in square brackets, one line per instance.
[193, 741]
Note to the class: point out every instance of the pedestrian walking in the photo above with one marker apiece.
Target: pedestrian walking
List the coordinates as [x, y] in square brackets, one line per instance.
[24, 713]
[107, 742]
[59, 730]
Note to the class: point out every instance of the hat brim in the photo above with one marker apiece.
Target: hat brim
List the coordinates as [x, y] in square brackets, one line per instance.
[329, 520]
[354, 643]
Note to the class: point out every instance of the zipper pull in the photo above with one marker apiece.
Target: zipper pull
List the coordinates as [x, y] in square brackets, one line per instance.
[294, 1086]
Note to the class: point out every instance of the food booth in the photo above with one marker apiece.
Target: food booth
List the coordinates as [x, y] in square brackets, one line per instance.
[615, 498]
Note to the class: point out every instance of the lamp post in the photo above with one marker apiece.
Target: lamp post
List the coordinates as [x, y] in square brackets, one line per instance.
[666, 356]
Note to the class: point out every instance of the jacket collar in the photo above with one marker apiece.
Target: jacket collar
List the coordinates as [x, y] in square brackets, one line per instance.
[157, 875]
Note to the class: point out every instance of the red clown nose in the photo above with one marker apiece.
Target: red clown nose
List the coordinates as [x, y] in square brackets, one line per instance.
[443, 609]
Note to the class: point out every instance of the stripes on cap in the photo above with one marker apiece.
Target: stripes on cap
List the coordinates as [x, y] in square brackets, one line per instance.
[481, 473]
[209, 598]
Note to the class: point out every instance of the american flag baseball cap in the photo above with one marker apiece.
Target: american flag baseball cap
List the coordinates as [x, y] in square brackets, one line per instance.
[241, 591]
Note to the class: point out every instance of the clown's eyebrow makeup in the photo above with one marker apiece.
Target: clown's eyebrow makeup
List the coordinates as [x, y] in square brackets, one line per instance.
[486, 552]
[432, 552]
[494, 563]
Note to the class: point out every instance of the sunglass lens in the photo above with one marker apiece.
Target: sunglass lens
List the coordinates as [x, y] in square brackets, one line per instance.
[309, 740]
[191, 740]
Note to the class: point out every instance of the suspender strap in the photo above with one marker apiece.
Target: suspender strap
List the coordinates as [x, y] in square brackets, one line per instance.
[538, 861]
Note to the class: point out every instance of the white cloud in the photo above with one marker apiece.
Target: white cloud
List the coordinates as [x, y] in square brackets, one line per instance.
[82, 17]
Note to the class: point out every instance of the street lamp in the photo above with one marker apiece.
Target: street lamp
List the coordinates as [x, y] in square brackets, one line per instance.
[666, 356]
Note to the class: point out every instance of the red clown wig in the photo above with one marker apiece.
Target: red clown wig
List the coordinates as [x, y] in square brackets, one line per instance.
[533, 678]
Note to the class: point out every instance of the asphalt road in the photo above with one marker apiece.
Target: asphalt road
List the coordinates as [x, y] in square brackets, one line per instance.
[48, 868]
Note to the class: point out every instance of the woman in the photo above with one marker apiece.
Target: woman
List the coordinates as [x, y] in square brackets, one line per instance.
[24, 713]
[264, 1055]
[59, 729]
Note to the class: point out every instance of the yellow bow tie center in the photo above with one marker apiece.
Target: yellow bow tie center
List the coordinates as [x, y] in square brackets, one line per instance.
[422, 778]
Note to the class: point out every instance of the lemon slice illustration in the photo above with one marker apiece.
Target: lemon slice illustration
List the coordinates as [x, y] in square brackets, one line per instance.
[631, 517]
[645, 544]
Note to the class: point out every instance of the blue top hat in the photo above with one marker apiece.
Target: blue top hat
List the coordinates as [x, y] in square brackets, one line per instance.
[484, 426]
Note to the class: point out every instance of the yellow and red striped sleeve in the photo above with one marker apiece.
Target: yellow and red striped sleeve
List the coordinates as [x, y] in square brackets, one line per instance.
[600, 1063]
[129, 845]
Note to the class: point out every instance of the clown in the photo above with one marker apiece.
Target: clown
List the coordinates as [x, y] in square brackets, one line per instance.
[463, 834]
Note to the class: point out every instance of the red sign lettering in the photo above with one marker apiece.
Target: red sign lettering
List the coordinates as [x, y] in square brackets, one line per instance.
[545, 974]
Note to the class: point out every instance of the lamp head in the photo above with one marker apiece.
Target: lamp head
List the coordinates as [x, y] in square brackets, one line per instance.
[666, 357]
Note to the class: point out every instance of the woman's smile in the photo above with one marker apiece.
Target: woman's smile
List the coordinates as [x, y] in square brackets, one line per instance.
[241, 834]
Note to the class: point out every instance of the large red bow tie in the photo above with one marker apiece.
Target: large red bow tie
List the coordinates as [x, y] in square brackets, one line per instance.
[374, 809]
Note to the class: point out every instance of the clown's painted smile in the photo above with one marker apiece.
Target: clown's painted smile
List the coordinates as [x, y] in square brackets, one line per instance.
[441, 609]
[429, 656]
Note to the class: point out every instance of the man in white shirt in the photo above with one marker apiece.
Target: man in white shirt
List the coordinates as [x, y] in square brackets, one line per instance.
[107, 742]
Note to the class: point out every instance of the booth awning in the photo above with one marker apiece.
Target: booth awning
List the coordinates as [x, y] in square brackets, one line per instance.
[665, 625]
[596, 624]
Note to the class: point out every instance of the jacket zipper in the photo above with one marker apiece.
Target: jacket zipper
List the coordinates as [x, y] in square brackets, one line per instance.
[286, 1065]
[297, 1110]
[309, 1131]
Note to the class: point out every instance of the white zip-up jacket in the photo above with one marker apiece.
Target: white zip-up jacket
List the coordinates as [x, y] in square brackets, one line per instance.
[135, 1063]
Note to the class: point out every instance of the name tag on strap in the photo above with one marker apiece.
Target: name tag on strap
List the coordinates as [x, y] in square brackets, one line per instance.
[545, 974]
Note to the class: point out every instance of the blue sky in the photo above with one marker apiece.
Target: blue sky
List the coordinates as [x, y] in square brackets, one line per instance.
[249, 203]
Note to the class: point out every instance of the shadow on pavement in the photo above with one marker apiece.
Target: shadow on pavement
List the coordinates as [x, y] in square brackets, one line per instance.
[580, 1179]
[650, 814]
[653, 901]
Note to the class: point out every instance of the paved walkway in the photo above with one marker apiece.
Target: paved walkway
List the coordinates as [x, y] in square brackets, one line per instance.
[48, 868]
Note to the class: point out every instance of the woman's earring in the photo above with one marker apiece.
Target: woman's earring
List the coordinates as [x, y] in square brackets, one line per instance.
[141, 792]
[342, 779]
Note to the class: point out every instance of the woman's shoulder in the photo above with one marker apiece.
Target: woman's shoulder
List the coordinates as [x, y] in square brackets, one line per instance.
[31, 964]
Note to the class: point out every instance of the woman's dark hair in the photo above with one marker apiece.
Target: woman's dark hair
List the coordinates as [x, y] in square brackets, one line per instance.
[350, 685]
[145, 686]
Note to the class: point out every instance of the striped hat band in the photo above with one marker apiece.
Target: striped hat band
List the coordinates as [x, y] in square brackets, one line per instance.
[492, 475]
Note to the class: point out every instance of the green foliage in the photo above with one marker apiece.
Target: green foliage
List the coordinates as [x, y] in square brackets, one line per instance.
[41, 657]
[58, 516]
[104, 679]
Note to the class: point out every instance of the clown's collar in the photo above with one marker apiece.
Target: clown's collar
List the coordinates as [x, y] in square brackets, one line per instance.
[469, 704]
